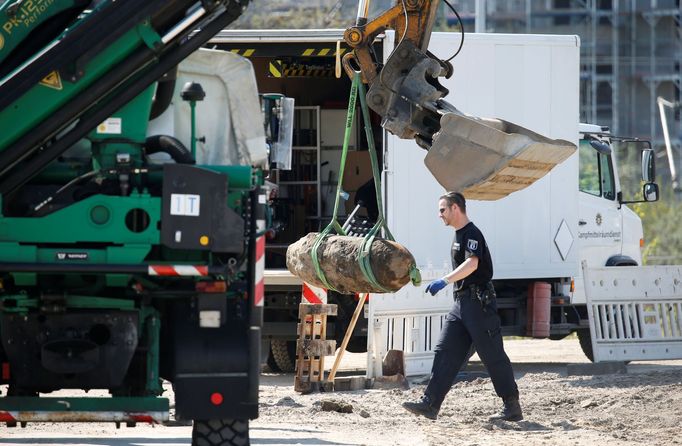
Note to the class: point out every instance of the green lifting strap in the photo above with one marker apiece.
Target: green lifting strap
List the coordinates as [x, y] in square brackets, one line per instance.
[334, 224]
[364, 254]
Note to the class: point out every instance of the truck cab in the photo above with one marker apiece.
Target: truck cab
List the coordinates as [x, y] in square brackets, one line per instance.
[609, 232]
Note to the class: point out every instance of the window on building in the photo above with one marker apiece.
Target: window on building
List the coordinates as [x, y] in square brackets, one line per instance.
[605, 5]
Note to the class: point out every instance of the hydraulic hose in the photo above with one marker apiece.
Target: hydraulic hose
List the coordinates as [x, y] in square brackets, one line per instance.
[171, 146]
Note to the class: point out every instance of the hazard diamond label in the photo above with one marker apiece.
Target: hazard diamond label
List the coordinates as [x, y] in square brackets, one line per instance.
[52, 80]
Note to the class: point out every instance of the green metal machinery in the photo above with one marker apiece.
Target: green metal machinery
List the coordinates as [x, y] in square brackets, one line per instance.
[116, 271]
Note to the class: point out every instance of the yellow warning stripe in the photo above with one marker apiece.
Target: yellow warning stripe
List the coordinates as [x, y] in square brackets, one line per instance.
[275, 69]
[323, 52]
[245, 53]
[303, 72]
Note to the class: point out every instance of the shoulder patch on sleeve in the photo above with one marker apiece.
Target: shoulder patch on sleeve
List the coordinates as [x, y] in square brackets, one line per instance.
[472, 244]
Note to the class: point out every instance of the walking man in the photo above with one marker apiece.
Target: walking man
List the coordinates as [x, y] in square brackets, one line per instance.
[472, 320]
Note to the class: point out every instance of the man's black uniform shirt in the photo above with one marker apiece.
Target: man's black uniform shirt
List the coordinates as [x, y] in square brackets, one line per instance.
[469, 241]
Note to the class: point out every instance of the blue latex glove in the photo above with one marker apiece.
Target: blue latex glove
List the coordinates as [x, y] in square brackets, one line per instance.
[436, 286]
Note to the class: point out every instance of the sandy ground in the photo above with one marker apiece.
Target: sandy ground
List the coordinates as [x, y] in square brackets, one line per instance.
[640, 407]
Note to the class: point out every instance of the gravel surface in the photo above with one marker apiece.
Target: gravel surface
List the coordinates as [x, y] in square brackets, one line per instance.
[640, 407]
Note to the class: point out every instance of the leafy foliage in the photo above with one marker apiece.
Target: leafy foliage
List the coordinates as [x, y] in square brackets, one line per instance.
[660, 220]
[662, 230]
[318, 14]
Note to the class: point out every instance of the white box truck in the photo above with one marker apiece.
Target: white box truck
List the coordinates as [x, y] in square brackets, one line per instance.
[538, 236]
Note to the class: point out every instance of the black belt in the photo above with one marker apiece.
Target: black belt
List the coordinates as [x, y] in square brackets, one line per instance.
[471, 290]
[464, 292]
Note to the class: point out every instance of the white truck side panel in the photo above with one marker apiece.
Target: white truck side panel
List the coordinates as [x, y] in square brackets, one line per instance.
[531, 81]
[528, 80]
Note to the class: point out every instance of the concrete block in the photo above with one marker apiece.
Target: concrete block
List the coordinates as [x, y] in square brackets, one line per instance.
[348, 383]
[396, 381]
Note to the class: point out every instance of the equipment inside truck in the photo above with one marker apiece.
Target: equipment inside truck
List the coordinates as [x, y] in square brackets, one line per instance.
[304, 195]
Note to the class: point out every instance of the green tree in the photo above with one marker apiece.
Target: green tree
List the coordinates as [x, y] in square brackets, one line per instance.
[320, 14]
[662, 230]
[660, 220]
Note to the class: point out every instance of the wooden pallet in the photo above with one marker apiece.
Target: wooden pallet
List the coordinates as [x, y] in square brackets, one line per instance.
[312, 346]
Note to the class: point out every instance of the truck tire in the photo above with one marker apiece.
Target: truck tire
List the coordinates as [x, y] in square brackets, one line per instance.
[284, 354]
[586, 342]
[220, 433]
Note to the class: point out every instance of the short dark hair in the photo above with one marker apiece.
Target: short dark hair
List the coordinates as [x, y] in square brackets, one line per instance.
[455, 198]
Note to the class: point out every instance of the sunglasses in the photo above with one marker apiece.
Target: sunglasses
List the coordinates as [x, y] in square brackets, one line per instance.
[442, 210]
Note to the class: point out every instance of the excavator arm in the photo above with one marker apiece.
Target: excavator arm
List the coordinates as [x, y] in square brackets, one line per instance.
[486, 159]
[412, 19]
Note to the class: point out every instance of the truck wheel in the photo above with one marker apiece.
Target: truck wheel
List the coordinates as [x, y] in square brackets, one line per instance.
[558, 337]
[220, 433]
[284, 354]
[586, 342]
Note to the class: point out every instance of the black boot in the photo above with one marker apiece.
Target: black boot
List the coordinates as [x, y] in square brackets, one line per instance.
[422, 407]
[511, 411]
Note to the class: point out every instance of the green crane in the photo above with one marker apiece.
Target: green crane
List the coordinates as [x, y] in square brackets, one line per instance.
[117, 271]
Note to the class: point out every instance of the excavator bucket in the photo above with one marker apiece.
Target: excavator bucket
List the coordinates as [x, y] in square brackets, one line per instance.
[488, 159]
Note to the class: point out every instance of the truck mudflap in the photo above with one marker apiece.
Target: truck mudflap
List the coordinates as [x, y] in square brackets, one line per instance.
[121, 409]
[214, 370]
[635, 312]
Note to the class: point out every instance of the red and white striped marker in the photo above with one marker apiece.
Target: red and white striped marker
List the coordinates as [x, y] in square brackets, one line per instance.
[259, 280]
[177, 270]
[313, 294]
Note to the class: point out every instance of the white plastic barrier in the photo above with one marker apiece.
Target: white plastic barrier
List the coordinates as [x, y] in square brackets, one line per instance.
[409, 320]
[635, 312]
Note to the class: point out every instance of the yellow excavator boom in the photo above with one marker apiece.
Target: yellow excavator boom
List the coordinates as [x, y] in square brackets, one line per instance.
[486, 159]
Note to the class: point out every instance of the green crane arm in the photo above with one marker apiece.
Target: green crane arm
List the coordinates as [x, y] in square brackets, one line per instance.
[86, 68]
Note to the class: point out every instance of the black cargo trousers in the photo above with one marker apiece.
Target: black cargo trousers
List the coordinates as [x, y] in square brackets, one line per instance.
[469, 322]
